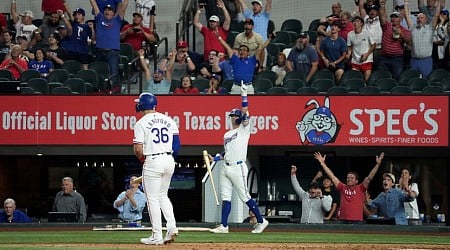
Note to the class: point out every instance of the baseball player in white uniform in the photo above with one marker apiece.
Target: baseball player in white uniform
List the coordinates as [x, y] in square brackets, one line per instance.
[156, 143]
[235, 170]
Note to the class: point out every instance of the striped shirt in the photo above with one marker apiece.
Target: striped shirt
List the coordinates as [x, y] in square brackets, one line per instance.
[389, 45]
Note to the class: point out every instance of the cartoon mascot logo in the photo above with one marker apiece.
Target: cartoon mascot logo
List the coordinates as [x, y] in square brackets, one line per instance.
[318, 125]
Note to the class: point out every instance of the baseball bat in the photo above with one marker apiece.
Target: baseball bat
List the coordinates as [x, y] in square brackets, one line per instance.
[208, 167]
[138, 180]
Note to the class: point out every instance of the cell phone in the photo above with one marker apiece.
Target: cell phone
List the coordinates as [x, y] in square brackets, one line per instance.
[136, 29]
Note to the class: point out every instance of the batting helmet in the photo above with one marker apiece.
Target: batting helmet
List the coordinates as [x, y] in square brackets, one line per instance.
[146, 101]
[235, 112]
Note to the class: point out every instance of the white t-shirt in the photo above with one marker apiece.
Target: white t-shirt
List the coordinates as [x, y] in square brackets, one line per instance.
[360, 44]
[24, 29]
[411, 208]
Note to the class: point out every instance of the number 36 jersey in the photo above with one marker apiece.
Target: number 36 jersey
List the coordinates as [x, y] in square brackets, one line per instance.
[155, 131]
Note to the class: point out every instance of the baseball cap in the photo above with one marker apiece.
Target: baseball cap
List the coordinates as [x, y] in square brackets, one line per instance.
[109, 6]
[79, 10]
[395, 13]
[258, 2]
[373, 7]
[303, 35]
[358, 18]
[215, 76]
[235, 112]
[390, 176]
[27, 13]
[401, 6]
[249, 21]
[138, 14]
[62, 26]
[182, 44]
[158, 71]
[445, 12]
[214, 18]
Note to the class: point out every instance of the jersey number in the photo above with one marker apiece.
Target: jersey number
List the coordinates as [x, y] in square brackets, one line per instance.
[160, 135]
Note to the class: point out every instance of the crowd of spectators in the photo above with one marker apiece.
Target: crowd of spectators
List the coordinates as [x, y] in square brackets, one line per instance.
[366, 39]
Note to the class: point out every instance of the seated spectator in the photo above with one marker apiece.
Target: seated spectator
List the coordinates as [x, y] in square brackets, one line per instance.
[11, 215]
[280, 68]
[131, 202]
[135, 33]
[314, 204]
[390, 202]
[38, 63]
[211, 66]
[15, 63]
[23, 22]
[158, 84]
[186, 87]
[55, 53]
[214, 86]
[69, 200]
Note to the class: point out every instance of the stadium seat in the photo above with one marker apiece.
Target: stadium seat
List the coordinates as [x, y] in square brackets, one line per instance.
[267, 74]
[293, 85]
[337, 90]
[401, 90]
[417, 84]
[322, 74]
[228, 84]
[40, 85]
[437, 75]
[175, 83]
[322, 85]
[29, 74]
[292, 25]
[378, 74]
[314, 24]
[307, 91]
[76, 85]
[432, 90]
[350, 74]
[52, 85]
[4, 73]
[385, 85]
[277, 91]
[201, 84]
[89, 76]
[262, 85]
[407, 75]
[72, 67]
[58, 75]
[369, 90]
[294, 75]
[27, 90]
[62, 90]
[353, 85]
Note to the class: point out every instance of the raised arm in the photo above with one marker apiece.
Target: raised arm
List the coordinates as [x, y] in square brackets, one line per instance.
[94, 7]
[227, 22]
[15, 16]
[226, 46]
[382, 12]
[260, 49]
[321, 159]
[297, 188]
[374, 170]
[196, 20]
[408, 15]
[144, 65]
[122, 8]
[362, 11]
[436, 14]
[268, 8]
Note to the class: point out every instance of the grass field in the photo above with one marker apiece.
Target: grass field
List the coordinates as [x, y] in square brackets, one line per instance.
[54, 239]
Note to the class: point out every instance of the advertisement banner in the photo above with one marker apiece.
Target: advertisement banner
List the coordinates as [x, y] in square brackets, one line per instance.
[275, 120]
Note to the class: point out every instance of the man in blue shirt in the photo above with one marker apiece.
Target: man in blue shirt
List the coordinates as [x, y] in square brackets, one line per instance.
[390, 201]
[108, 25]
[11, 215]
[259, 15]
[131, 202]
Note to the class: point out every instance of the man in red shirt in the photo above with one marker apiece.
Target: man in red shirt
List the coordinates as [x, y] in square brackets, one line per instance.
[352, 194]
[135, 33]
[15, 64]
[3, 25]
[210, 33]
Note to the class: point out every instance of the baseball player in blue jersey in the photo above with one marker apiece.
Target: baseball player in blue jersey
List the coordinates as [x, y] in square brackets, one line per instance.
[156, 143]
[235, 170]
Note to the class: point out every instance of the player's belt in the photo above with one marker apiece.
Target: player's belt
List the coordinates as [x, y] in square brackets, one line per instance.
[233, 163]
[165, 153]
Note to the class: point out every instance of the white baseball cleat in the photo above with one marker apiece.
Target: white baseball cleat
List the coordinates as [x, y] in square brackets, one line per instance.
[220, 230]
[152, 241]
[259, 227]
[171, 235]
